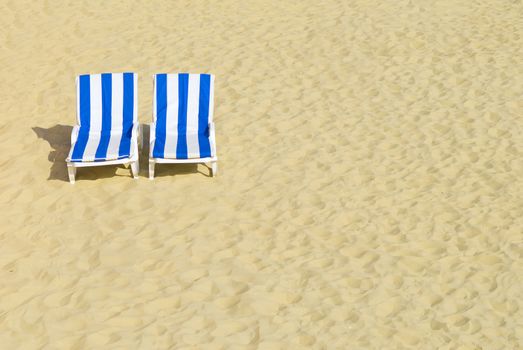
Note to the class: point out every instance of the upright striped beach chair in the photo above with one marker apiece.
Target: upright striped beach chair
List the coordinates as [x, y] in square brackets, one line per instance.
[107, 131]
[183, 130]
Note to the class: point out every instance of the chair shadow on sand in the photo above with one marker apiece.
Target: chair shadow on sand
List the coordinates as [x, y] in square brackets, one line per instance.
[59, 138]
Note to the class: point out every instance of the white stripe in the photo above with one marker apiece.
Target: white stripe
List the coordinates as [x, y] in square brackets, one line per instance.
[193, 100]
[116, 116]
[212, 141]
[96, 117]
[171, 116]
[135, 113]
[155, 117]
[78, 100]
[135, 96]
[211, 99]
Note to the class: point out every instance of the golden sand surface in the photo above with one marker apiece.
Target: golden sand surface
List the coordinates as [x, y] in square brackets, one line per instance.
[369, 194]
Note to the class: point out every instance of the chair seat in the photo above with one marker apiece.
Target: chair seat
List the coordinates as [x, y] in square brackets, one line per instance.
[177, 146]
[97, 146]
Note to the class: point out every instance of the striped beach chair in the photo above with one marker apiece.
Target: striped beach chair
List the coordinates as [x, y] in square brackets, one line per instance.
[182, 130]
[107, 131]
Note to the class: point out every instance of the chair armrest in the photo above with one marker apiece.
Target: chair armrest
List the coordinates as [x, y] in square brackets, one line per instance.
[137, 135]
[74, 134]
[135, 131]
[212, 139]
[152, 133]
[152, 136]
[74, 137]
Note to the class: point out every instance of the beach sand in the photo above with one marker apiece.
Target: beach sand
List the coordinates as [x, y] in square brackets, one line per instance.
[370, 191]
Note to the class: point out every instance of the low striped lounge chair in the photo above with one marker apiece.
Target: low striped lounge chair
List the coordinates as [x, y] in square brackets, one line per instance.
[107, 131]
[183, 130]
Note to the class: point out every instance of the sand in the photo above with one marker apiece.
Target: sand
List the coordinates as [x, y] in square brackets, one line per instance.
[369, 195]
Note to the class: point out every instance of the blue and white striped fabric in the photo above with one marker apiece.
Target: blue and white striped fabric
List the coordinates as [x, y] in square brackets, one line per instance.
[106, 111]
[183, 108]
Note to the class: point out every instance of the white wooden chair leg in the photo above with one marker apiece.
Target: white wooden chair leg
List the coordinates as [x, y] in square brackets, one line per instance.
[135, 168]
[151, 169]
[214, 168]
[71, 170]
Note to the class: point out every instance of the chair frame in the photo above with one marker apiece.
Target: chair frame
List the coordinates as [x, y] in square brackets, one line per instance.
[153, 161]
[133, 161]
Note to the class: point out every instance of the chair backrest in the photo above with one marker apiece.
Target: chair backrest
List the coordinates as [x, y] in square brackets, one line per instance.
[107, 102]
[183, 103]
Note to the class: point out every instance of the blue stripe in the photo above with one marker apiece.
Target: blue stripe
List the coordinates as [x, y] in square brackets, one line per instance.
[161, 115]
[101, 151]
[128, 107]
[85, 118]
[203, 116]
[183, 90]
